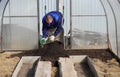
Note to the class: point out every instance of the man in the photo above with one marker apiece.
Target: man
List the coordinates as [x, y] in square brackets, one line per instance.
[52, 27]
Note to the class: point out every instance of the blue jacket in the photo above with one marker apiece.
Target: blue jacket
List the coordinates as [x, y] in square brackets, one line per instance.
[56, 23]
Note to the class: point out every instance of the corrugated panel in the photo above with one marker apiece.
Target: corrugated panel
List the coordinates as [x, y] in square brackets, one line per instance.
[21, 34]
[93, 24]
[46, 6]
[116, 7]
[2, 6]
[89, 25]
[23, 7]
[111, 26]
[89, 33]
[87, 7]
[20, 27]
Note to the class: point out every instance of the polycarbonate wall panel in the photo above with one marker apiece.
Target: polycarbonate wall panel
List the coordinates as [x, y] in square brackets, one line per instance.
[89, 25]
[111, 25]
[89, 32]
[20, 25]
[87, 7]
[2, 6]
[23, 7]
[20, 34]
[93, 24]
[46, 6]
[116, 8]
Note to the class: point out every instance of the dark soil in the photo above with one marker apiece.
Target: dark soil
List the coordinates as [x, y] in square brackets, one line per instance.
[52, 52]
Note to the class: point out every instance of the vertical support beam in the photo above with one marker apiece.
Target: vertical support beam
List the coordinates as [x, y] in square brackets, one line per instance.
[71, 23]
[38, 23]
[115, 26]
[2, 8]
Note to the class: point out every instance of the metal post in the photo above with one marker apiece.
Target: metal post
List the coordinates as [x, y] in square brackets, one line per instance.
[71, 23]
[2, 24]
[115, 26]
[38, 23]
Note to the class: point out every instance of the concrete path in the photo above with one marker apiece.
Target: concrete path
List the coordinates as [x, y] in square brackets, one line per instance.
[67, 68]
[43, 69]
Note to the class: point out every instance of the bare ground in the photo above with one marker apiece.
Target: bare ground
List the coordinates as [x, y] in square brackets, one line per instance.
[104, 62]
[111, 68]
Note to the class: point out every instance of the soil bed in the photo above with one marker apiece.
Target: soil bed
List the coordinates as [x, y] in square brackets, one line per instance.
[106, 64]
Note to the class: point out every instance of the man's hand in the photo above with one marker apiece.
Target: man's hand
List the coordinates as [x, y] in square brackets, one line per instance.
[52, 38]
[43, 40]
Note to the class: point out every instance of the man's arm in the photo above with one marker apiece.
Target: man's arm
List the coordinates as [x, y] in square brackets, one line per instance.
[59, 29]
[44, 31]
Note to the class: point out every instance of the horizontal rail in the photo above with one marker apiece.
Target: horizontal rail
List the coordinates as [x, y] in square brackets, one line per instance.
[86, 15]
[20, 16]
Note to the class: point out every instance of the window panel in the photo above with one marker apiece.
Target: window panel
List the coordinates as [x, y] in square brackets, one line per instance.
[23, 7]
[89, 32]
[87, 7]
[21, 34]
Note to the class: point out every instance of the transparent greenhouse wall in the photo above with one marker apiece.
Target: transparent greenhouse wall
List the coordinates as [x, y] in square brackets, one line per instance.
[116, 9]
[111, 26]
[2, 6]
[112, 8]
[20, 25]
[89, 25]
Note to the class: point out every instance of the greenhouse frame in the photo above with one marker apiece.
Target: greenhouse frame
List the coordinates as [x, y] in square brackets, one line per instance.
[91, 24]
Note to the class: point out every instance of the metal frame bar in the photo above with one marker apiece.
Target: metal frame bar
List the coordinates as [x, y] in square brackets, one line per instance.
[19, 16]
[38, 23]
[57, 5]
[87, 15]
[71, 23]
[119, 1]
[106, 22]
[2, 23]
[115, 25]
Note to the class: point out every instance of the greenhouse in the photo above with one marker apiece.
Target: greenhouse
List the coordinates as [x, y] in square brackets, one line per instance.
[91, 24]
[90, 46]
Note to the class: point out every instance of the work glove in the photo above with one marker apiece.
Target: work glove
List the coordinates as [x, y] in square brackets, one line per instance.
[43, 40]
[52, 38]
[68, 35]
